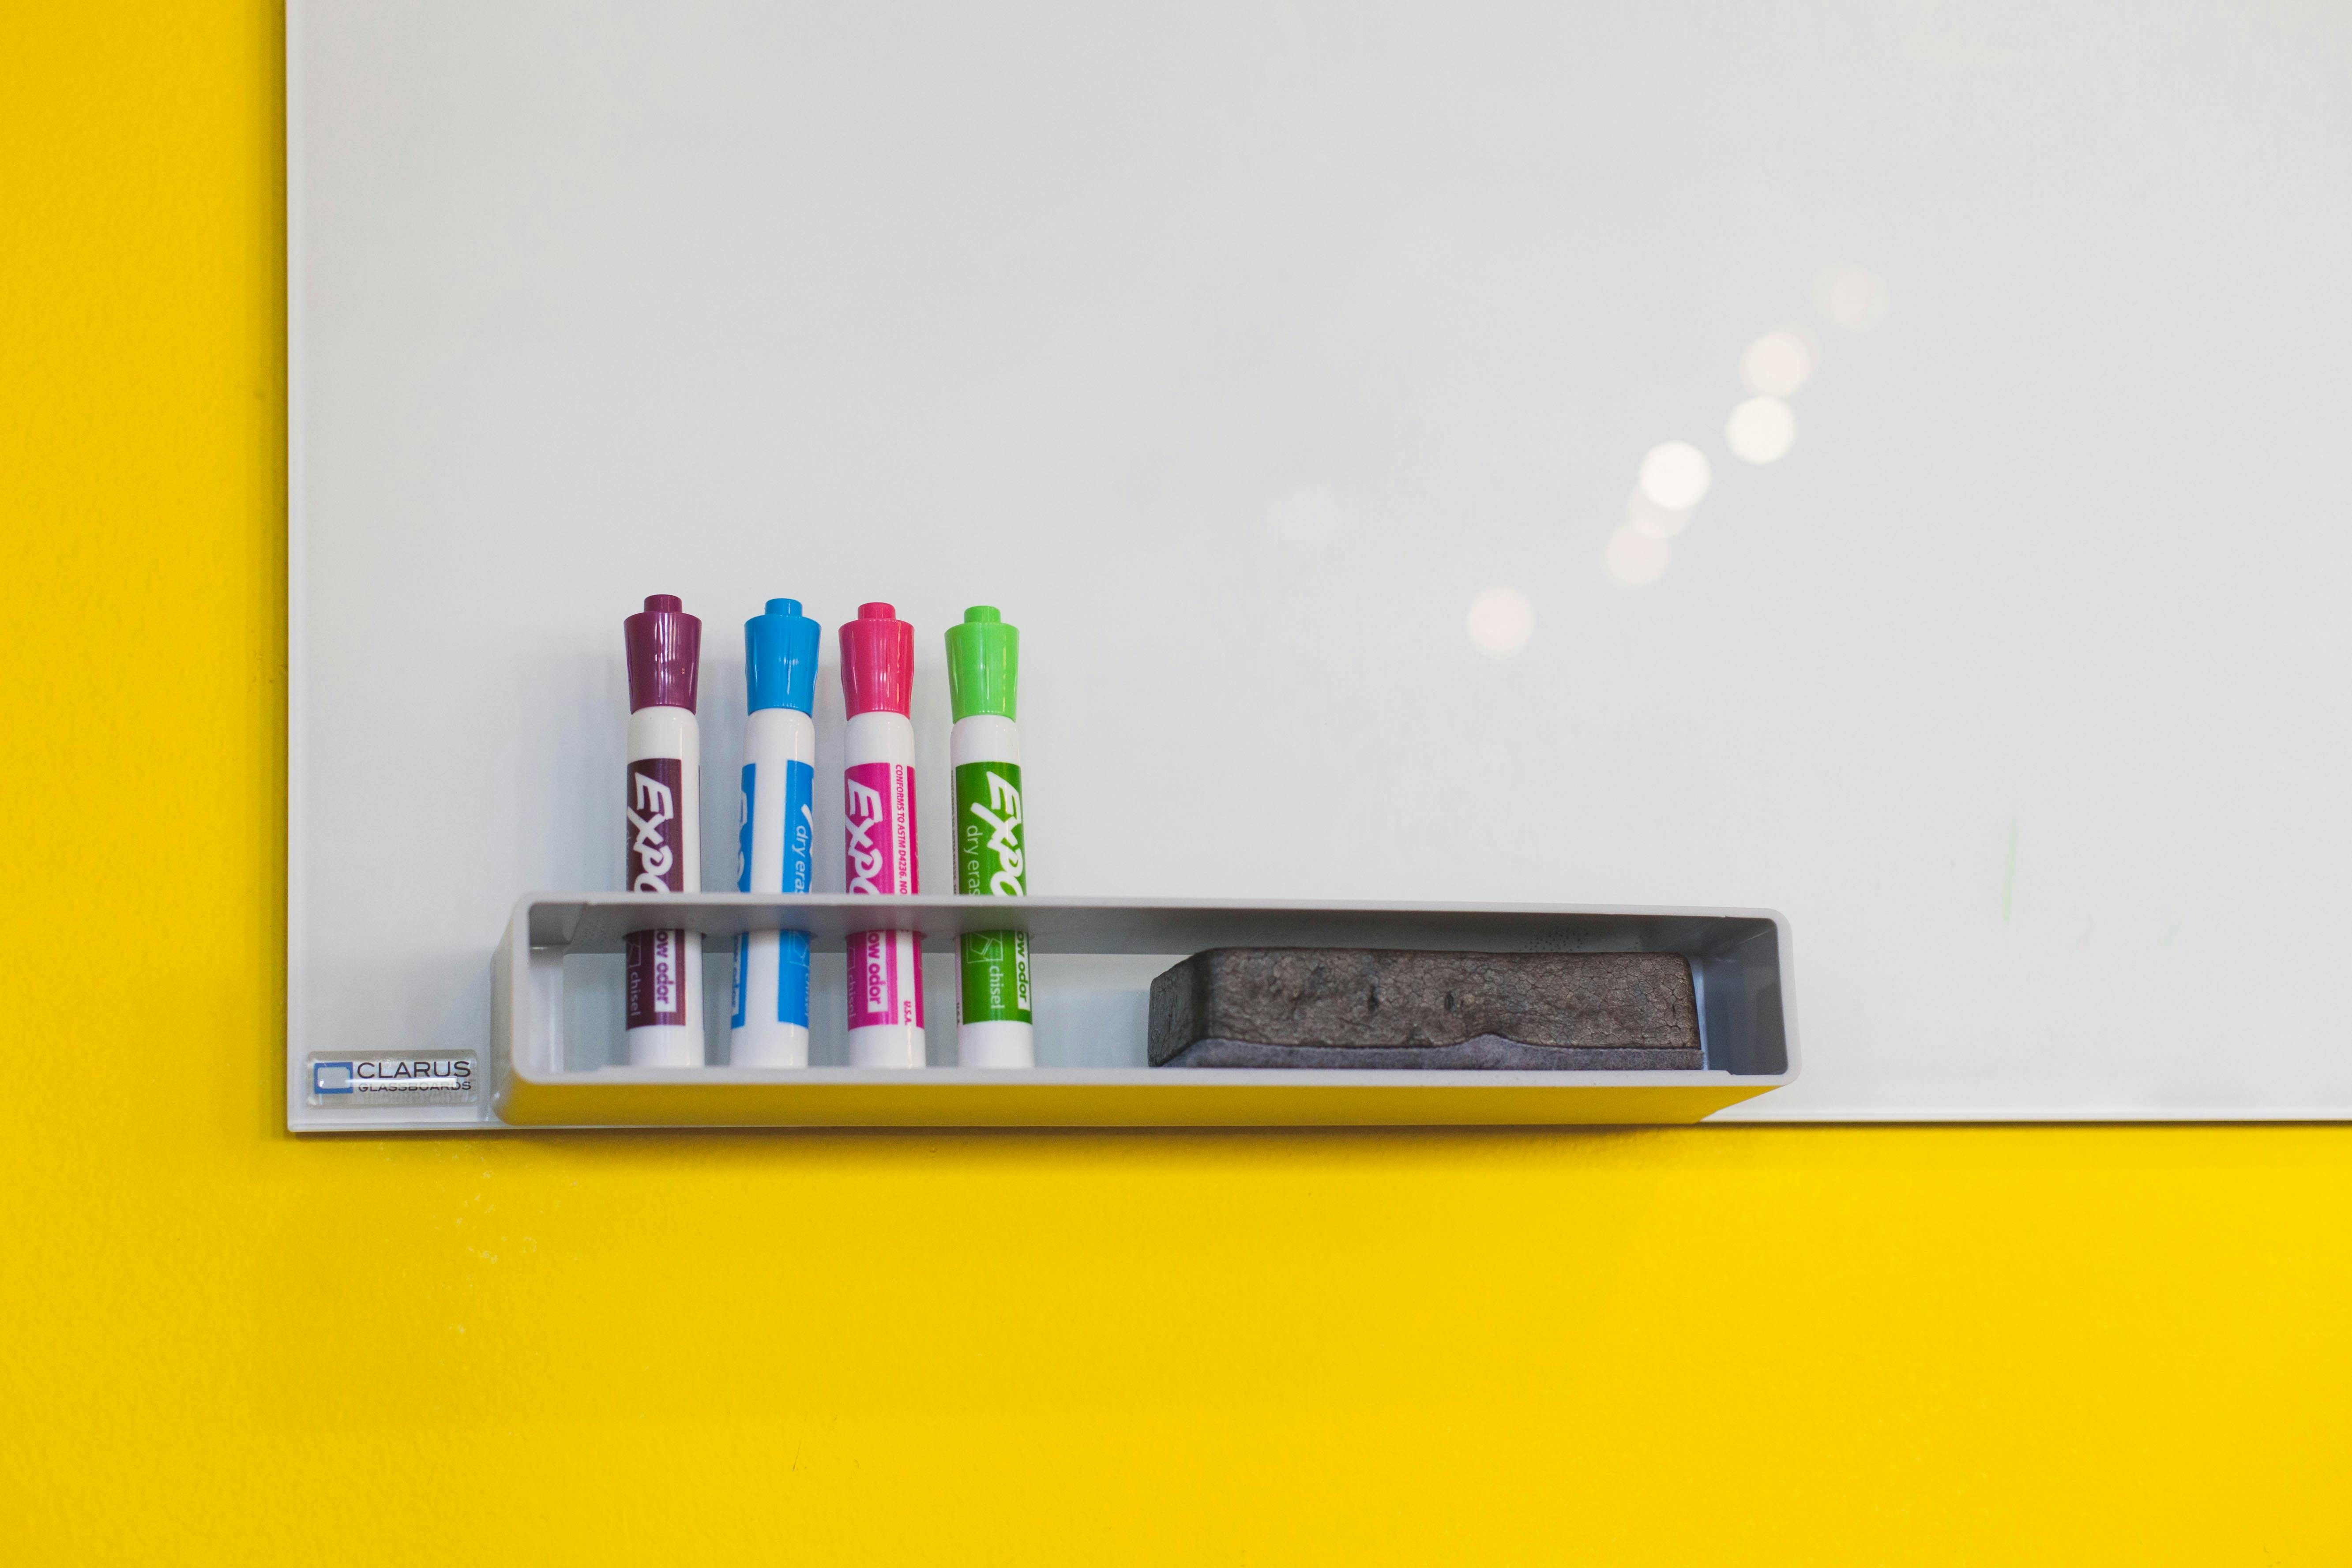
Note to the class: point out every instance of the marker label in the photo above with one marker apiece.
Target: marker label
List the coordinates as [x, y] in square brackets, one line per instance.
[799, 844]
[800, 826]
[991, 859]
[879, 804]
[988, 829]
[884, 985]
[878, 808]
[743, 885]
[996, 977]
[657, 847]
[746, 808]
[792, 977]
[657, 983]
[655, 863]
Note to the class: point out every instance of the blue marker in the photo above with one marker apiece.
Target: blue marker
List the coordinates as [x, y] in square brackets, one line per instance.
[777, 830]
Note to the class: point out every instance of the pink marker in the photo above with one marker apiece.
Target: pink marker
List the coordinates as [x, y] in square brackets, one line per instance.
[885, 967]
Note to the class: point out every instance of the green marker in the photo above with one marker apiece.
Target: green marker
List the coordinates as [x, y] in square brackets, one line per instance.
[992, 1022]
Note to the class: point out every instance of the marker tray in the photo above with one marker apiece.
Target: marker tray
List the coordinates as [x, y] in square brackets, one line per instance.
[1093, 961]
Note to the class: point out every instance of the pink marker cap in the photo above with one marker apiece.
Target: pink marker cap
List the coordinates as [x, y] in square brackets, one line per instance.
[664, 654]
[877, 661]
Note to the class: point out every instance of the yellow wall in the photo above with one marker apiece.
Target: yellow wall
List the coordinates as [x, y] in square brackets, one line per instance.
[216, 1341]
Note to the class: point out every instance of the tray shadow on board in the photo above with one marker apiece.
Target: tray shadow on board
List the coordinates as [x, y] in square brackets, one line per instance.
[1092, 1010]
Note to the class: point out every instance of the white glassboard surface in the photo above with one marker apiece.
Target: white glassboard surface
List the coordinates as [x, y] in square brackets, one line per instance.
[1292, 377]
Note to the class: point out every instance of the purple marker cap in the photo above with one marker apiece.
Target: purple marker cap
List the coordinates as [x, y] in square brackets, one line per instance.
[664, 654]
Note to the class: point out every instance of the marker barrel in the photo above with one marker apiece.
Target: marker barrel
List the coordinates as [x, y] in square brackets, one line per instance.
[774, 834]
[885, 967]
[994, 1028]
[662, 832]
[664, 841]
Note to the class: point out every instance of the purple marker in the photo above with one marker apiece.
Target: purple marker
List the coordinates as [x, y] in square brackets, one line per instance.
[663, 976]
[885, 967]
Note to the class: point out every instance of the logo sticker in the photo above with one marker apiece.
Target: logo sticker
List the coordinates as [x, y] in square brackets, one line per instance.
[384, 1078]
[992, 860]
[656, 861]
[654, 986]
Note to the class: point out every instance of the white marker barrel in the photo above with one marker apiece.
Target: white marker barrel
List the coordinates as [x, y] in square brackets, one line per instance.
[986, 840]
[775, 834]
[994, 1028]
[662, 979]
[879, 852]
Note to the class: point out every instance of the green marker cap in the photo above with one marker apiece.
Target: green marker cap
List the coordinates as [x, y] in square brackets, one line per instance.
[983, 663]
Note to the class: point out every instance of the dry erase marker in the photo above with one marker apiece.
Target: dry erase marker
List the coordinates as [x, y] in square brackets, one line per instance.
[664, 784]
[992, 1022]
[885, 967]
[774, 834]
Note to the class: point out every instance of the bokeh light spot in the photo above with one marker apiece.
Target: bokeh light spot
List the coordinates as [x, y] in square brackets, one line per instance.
[1761, 430]
[1501, 621]
[1634, 557]
[1675, 475]
[1851, 296]
[1778, 362]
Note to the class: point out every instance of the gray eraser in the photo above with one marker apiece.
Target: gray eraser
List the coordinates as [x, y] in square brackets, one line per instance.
[1370, 1007]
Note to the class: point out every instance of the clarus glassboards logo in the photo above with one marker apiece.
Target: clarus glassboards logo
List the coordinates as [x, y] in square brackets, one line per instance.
[384, 1078]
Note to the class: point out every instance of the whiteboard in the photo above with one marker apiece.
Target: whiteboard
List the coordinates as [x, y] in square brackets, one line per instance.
[1325, 392]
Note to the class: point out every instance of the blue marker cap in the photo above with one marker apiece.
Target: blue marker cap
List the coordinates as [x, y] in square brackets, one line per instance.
[780, 654]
